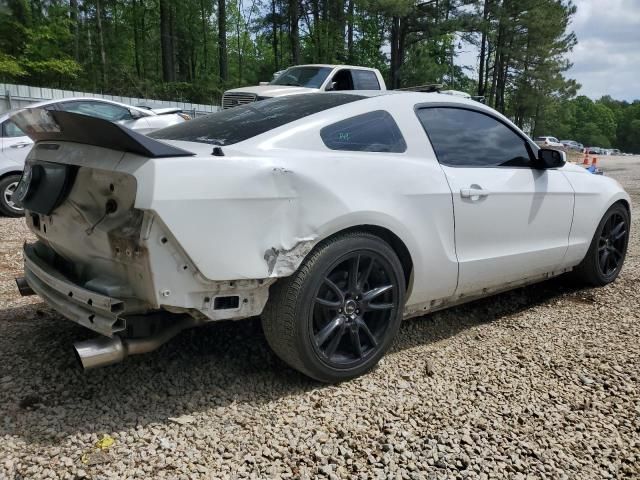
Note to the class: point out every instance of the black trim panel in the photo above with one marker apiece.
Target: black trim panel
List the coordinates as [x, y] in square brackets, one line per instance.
[51, 125]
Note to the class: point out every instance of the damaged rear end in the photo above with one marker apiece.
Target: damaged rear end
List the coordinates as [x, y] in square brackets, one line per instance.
[100, 259]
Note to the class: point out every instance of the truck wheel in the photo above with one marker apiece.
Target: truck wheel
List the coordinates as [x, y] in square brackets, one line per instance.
[7, 185]
[336, 316]
[608, 249]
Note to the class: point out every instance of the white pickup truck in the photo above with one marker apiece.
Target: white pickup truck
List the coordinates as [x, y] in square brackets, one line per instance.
[307, 79]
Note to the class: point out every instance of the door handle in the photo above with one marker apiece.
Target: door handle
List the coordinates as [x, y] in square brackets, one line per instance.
[474, 192]
[20, 145]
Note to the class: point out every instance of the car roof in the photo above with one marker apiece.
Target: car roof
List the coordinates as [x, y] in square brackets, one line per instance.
[329, 65]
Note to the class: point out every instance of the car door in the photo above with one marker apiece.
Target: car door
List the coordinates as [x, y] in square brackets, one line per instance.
[15, 145]
[512, 220]
[341, 81]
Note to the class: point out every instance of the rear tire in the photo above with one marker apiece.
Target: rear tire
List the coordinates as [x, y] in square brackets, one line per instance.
[7, 186]
[608, 249]
[333, 324]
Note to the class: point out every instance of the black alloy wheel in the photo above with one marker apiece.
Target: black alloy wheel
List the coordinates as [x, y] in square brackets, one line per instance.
[336, 316]
[605, 258]
[353, 308]
[612, 244]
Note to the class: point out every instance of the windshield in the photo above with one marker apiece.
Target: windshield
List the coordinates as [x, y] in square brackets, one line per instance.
[310, 77]
[234, 125]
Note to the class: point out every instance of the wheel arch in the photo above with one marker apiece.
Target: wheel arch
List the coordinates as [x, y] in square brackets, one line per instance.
[392, 239]
[625, 203]
[9, 173]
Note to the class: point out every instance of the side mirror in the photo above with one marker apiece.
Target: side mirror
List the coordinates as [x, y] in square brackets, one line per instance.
[262, 84]
[331, 86]
[135, 114]
[550, 158]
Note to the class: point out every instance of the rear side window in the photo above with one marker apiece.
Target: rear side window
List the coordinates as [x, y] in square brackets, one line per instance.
[370, 132]
[10, 129]
[106, 111]
[365, 80]
[466, 138]
[234, 125]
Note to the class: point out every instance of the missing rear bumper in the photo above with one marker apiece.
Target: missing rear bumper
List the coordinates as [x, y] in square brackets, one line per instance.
[90, 309]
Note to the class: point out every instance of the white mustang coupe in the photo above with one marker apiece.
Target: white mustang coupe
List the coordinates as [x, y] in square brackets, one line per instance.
[333, 216]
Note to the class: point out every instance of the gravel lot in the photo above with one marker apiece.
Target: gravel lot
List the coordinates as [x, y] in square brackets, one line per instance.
[542, 382]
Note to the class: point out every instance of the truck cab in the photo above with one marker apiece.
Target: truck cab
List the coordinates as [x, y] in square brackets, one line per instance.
[307, 79]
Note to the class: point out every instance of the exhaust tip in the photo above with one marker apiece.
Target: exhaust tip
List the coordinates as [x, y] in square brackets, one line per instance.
[23, 287]
[99, 352]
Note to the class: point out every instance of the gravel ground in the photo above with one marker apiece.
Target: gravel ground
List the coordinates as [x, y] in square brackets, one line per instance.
[541, 382]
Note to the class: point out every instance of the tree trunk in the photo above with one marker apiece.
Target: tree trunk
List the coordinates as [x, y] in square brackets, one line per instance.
[239, 46]
[326, 37]
[315, 6]
[166, 44]
[172, 37]
[395, 51]
[90, 49]
[340, 22]
[222, 40]
[75, 28]
[205, 25]
[274, 33]
[103, 53]
[496, 64]
[486, 67]
[483, 48]
[350, 20]
[136, 39]
[294, 18]
[398, 40]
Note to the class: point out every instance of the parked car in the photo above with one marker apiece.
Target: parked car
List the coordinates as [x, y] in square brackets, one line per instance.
[594, 150]
[307, 79]
[549, 142]
[333, 216]
[573, 145]
[15, 145]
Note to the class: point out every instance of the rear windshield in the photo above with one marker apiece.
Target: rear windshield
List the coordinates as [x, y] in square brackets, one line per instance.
[234, 125]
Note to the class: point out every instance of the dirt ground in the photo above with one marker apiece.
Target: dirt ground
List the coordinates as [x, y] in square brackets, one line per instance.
[541, 382]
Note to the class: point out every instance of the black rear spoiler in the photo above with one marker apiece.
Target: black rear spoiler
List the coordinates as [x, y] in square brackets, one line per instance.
[53, 125]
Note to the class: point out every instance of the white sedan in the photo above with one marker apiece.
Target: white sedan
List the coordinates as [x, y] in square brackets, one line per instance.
[15, 145]
[549, 142]
[333, 216]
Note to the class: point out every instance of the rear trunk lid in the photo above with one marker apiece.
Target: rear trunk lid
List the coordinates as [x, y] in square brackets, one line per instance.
[80, 202]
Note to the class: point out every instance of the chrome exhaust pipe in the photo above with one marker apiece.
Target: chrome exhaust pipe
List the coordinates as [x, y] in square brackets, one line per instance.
[23, 287]
[100, 351]
[103, 351]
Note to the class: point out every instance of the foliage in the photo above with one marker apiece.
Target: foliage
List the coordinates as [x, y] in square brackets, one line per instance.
[193, 50]
[604, 123]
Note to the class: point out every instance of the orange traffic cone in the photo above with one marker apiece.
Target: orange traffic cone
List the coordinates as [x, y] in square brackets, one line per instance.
[594, 162]
[585, 160]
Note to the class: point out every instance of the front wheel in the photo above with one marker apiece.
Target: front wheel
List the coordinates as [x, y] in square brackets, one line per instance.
[7, 186]
[338, 314]
[608, 248]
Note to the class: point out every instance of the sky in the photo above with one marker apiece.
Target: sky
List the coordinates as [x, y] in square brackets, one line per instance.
[606, 60]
